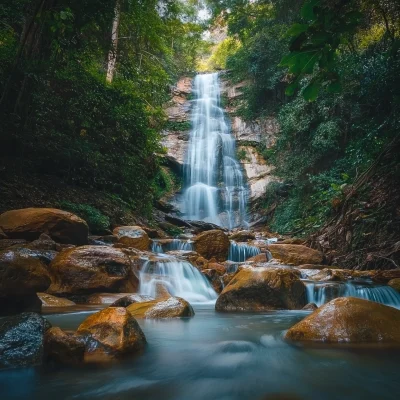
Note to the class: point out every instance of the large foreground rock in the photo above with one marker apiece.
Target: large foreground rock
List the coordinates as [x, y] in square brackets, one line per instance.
[260, 289]
[92, 269]
[21, 340]
[349, 320]
[111, 332]
[30, 223]
[132, 236]
[214, 243]
[21, 276]
[167, 307]
[295, 254]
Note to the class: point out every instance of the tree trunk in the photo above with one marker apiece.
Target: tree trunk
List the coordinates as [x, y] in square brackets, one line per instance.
[112, 54]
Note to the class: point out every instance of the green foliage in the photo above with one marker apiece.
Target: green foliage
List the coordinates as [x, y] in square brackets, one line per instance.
[178, 126]
[98, 222]
[241, 154]
[165, 183]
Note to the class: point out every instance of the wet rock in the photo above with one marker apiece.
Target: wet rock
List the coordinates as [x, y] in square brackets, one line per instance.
[45, 256]
[21, 276]
[211, 244]
[242, 236]
[310, 307]
[132, 236]
[177, 221]
[166, 307]
[104, 298]
[63, 348]
[260, 289]
[52, 301]
[349, 320]
[30, 223]
[226, 278]
[21, 340]
[395, 284]
[109, 333]
[336, 275]
[214, 278]
[316, 266]
[92, 269]
[8, 243]
[2, 234]
[259, 258]
[45, 242]
[292, 241]
[295, 254]
[130, 299]
[202, 226]
[385, 276]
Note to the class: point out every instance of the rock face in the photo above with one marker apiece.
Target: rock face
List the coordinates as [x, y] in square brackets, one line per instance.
[21, 276]
[295, 254]
[52, 301]
[111, 332]
[349, 320]
[92, 269]
[63, 348]
[21, 340]
[30, 223]
[260, 289]
[167, 307]
[132, 236]
[211, 244]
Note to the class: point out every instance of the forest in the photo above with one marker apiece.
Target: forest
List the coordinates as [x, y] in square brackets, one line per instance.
[199, 199]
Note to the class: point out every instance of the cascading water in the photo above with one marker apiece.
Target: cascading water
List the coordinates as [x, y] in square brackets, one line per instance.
[322, 292]
[174, 244]
[215, 188]
[179, 277]
[240, 252]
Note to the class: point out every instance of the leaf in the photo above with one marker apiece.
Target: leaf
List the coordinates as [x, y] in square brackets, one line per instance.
[334, 87]
[291, 88]
[310, 93]
[307, 11]
[296, 29]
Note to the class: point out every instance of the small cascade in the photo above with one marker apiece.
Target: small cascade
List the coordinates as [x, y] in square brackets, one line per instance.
[323, 292]
[179, 277]
[215, 190]
[240, 252]
[174, 244]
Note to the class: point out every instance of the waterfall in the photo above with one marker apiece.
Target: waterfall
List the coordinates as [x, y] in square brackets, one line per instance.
[215, 188]
[241, 251]
[179, 277]
[322, 292]
[174, 244]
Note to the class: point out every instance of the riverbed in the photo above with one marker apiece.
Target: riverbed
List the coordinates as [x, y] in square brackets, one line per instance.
[215, 356]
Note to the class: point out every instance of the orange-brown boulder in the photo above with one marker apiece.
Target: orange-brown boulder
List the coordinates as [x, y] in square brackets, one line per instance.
[259, 258]
[349, 320]
[214, 278]
[63, 348]
[132, 236]
[261, 289]
[112, 332]
[295, 254]
[214, 243]
[395, 284]
[130, 299]
[92, 269]
[166, 307]
[30, 223]
[242, 236]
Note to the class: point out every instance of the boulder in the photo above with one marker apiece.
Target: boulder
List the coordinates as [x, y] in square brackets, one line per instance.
[8, 243]
[63, 348]
[21, 340]
[92, 269]
[166, 307]
[317, 266]
[295, 254]
[112, 332]
[214, 278]
[395, 284]
[261, 289]
[52, 301]
[242, 236]
[21, 276]
[292, 241]
[30, 223]
[310, 307]
[259, 258]
[132, 236]
[349, 320]
[2, 234]
[214, 243]
[226, 278]
[130, 299]
[104, 298]
[45, 242]
[386, 276]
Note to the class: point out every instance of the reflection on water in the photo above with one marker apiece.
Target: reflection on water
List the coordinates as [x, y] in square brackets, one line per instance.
[213, 357]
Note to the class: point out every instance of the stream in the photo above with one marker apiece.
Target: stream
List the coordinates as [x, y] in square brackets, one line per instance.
[215, 356]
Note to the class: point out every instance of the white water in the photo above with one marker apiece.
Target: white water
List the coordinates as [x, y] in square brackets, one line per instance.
[179, 277]
[215, 188]
[241, 251]
[175, 244]
[322, 292]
